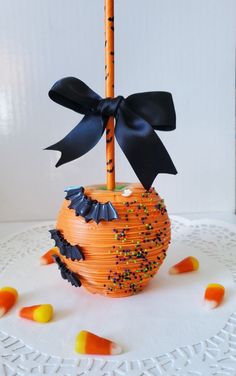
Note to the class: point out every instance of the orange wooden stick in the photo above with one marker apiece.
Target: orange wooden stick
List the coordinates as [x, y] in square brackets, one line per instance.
[109, 90]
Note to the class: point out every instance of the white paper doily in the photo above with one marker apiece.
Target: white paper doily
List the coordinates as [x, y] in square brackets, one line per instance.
[188, 341]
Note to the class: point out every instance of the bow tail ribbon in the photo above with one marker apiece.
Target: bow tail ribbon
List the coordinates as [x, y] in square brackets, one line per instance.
[142, 147]
[83, 137]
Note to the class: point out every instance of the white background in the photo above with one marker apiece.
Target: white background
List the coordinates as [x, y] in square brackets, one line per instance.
[184, 46]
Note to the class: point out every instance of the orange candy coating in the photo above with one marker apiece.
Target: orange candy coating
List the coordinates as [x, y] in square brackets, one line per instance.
[8, 297]
[214, 295]
[41, 313]
[89, 343]
[121, 256]
[47, 258]
[188, 264]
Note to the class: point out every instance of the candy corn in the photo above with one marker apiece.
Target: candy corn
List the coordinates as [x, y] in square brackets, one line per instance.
[214, 295]
[41, 313]
[8, 297]
[89, 343]
[189, 264]
[47, 258]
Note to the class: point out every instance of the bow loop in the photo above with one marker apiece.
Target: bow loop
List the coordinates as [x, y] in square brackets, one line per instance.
[136, 118]
[156, 107]
[108, 107]
[73, 93]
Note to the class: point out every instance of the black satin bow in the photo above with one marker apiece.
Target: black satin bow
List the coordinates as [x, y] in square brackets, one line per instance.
[136, 118]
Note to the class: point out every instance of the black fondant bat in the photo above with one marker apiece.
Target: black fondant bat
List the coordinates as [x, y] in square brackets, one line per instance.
[66, 249]
[90, 209]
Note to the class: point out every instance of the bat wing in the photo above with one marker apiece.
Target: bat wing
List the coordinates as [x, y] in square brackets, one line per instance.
[66, 273]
